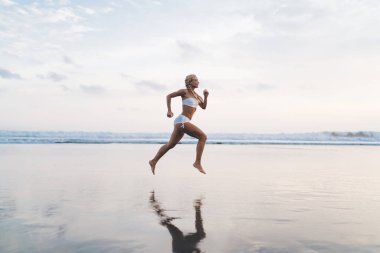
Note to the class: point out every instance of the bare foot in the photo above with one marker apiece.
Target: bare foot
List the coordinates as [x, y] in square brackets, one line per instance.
[199, 167]
[152, 166]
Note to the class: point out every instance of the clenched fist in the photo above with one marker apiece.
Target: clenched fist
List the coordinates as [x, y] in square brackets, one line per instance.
[169, 114]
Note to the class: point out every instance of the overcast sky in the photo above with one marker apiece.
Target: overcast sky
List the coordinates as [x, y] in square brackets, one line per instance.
[269, 65]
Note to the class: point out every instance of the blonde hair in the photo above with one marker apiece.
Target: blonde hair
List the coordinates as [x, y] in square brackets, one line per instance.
[189, 78]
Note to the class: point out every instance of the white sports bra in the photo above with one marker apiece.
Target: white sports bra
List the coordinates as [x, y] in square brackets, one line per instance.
[192, 102]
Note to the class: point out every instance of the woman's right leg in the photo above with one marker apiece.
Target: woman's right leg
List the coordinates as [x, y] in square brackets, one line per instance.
[196, 132]
[174, 139]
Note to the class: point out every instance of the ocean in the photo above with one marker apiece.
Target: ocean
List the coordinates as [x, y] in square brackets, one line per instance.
[315, 138]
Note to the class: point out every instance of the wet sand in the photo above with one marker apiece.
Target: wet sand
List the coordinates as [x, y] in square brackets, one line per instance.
[254, 198]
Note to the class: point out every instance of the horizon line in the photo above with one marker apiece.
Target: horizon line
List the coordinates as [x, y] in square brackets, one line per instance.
[139, 132]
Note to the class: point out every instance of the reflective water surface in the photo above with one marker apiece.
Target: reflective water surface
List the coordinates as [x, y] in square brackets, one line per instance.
[181, 242]
[259, 198]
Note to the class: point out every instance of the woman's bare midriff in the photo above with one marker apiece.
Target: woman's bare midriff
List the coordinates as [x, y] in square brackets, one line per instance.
[188, 111]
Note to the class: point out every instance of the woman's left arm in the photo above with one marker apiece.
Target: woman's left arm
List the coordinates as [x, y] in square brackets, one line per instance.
[203, 103]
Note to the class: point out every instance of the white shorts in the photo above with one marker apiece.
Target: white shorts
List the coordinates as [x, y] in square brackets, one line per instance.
[181, 119]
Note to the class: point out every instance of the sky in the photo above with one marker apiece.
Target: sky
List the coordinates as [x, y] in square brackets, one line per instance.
[269, 65]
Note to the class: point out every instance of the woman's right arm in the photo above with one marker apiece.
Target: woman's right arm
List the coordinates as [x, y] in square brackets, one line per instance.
[169, 97]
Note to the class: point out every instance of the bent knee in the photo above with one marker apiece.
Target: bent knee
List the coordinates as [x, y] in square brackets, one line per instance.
[203, 137]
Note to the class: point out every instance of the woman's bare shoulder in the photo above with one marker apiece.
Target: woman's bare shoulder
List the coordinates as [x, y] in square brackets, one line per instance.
[180, 92]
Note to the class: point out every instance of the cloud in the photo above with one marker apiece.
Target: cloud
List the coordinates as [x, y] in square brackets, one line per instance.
[53, 76]
[188, 51]
[65, 88]
[6, 74]
[56, 77]
[64, 2]
[28, 28]
[264, 87]
[62, 15]
[310, 28]
[2, 90]
[107, 10]
[251, 87]
[149, 86]
[144, 3]
[7, 2]
[67, 60]
[126, 76]
[188, 47]
[93, 89]
[87, 10]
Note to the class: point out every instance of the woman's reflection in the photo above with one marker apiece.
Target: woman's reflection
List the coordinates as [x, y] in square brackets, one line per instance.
[181, 243]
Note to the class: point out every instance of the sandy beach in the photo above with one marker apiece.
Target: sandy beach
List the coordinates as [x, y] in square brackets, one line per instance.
[254, 198]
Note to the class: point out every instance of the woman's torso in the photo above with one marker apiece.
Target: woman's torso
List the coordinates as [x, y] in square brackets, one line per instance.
[189, 106]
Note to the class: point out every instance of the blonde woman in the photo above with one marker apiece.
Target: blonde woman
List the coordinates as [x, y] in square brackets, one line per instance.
[182, 124]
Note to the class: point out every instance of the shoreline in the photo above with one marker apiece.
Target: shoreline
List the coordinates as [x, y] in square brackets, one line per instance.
[312, 138]
[253, 143]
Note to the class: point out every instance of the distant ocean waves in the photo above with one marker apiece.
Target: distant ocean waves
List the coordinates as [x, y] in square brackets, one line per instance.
[318, 138]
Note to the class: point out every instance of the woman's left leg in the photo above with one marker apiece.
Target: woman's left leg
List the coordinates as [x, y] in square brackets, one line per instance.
[174, 139]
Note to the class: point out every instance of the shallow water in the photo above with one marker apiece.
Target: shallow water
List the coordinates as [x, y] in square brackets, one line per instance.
[255, 198]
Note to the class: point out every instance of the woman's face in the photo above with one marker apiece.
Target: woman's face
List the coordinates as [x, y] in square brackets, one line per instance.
[194, 82]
